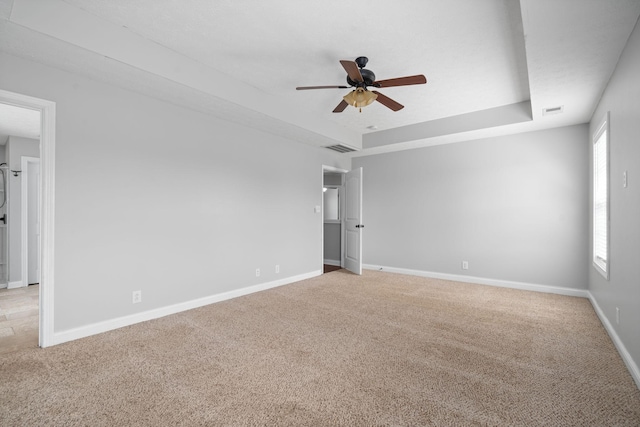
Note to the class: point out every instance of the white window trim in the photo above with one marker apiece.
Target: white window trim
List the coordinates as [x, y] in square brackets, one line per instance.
[602, 266]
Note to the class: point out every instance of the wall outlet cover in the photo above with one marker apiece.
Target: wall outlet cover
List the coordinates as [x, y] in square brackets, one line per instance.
[136, 297]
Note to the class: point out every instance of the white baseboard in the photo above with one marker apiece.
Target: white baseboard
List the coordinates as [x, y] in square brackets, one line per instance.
[16, 284]
[108, 325]
[96, 328]
[484, 281]
[332, 262]
[622, 350]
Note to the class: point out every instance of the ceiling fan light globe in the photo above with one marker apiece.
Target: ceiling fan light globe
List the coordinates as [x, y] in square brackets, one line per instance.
[360, 98]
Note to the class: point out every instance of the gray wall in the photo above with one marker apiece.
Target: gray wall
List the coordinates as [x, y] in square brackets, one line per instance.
[622, 99]
[514, 207]
[332, 178]
[4, 268]
[154, 197]
[332, 241]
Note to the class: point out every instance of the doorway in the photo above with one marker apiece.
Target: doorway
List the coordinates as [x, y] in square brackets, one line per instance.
[332, 216]
[341, 219]
[43, 200]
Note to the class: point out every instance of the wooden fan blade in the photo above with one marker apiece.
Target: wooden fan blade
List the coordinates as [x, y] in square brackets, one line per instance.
[340, 108]
[321, 87]
[352, 70]
[402, 81]
[387, 102]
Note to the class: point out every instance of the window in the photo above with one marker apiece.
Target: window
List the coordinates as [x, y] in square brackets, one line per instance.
[601, 197]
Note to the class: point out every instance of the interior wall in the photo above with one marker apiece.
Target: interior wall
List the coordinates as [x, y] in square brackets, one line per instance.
[332, 242]
[333, 179]
[178, 204]
[17, 147]
[622, 99]
[4, 268]
[514, 207]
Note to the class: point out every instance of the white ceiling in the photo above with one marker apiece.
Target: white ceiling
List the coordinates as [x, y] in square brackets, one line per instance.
[491, 65]
[16, 121]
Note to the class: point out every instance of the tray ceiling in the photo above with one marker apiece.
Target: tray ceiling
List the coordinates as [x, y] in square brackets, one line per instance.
[492, 66]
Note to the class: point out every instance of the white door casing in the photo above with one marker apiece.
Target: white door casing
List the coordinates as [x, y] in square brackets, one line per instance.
[353, 221]
[30, 214]
[47, 185]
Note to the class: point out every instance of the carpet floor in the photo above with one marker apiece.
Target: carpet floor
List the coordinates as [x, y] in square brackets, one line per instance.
[337, 350]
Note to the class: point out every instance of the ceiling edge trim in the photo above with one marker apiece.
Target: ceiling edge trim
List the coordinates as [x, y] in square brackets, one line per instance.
[500, 116]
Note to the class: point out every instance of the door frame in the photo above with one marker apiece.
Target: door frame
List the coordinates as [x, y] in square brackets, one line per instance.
[26, 162]
[333, 169]
[47, 206]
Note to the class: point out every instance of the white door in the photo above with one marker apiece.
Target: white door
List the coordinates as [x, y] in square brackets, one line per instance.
[353, 221]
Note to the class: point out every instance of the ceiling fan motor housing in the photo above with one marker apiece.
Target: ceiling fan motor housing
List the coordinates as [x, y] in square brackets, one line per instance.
[368, 77]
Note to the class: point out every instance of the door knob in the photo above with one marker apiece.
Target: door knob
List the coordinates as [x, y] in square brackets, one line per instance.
[359, 226]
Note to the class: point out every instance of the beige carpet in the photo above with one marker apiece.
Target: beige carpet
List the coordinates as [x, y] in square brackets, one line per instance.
[337, 350]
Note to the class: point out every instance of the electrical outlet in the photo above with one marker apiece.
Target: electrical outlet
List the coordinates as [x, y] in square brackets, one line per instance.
[136, 297]
[617, 316]
[277, 268]
[465, 265]
[257, 272]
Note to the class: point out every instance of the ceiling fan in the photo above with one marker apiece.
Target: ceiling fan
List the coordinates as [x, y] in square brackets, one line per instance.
[360, 79]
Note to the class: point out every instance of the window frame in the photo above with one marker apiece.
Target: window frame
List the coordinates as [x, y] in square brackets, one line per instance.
[602, 265]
